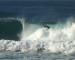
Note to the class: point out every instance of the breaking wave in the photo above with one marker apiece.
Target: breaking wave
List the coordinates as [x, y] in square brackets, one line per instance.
[34, 37]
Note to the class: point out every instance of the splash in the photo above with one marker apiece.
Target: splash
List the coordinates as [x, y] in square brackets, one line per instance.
[27, 29]
[34, 37]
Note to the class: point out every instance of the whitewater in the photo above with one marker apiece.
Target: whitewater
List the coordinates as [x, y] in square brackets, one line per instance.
[58, 38]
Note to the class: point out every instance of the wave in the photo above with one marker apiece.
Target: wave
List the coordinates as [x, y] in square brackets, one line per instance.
[34, 37]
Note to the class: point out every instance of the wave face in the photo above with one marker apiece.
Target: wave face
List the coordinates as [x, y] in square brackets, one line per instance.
[9, 27]
[35, 37]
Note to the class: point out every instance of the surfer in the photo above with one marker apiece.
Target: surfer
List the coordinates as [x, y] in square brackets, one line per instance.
[44, 37]
[46, 26]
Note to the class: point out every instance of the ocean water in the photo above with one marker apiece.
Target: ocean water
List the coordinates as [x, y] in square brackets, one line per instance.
[38, 42]
[37, 30]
